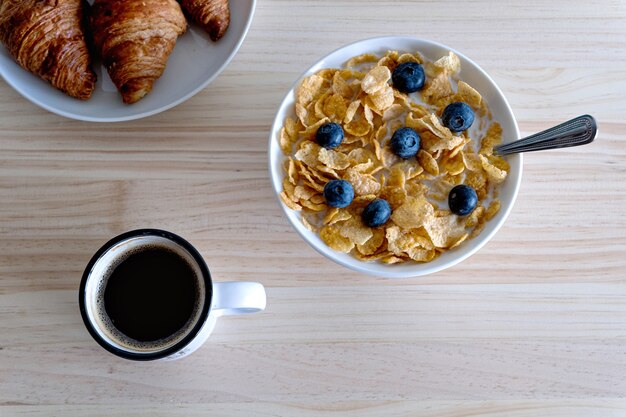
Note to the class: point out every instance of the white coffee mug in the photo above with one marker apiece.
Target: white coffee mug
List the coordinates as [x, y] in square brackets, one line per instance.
[211, 300]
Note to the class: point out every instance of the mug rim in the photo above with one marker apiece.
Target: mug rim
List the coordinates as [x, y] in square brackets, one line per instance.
[189, 337]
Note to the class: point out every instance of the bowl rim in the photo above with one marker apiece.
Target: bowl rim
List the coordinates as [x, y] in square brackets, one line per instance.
[75, 116]
[358, 265]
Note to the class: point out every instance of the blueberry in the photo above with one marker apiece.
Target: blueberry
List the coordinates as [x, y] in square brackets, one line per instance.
[329, 135]
[405, 142]
[376, 213]
[458, 116]
[408, 77]
[462, 200]
[338, 193]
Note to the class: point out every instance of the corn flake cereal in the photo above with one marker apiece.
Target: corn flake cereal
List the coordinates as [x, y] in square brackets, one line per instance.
[362, 99]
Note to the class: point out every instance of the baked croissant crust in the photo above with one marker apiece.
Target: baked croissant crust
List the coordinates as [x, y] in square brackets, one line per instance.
[47, 38]
[213, 15]
[134, 39]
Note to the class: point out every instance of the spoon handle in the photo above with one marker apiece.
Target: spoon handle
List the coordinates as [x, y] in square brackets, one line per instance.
[578, 131]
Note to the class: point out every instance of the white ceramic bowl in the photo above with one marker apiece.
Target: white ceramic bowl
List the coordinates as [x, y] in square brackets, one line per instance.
[193, 64]
[470, 73]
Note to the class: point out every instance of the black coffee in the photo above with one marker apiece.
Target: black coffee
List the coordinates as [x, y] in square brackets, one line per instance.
[151, 294]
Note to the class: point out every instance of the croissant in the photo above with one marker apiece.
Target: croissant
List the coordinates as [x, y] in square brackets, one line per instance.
[46, 37]
[134, 39]
[213, 15]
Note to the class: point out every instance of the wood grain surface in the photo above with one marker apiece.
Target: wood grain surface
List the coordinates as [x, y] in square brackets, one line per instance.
[532, 325]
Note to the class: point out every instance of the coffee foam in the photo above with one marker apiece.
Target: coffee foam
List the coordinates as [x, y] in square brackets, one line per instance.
[100, 275]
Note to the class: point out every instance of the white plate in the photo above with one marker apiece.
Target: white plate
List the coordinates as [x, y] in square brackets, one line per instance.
[470, 73]
[193, 64]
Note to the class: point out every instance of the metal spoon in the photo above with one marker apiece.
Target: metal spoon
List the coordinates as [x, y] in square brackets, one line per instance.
[580, 130]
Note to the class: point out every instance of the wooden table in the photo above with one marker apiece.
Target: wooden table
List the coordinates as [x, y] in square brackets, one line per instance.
[532, 325]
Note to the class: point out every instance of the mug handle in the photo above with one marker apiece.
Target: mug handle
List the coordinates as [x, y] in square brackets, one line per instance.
[232, 298]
